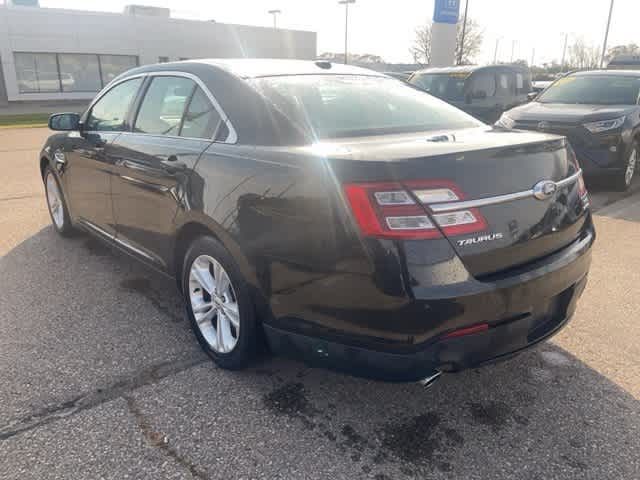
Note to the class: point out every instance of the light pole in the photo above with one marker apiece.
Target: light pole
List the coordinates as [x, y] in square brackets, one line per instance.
[564, 52]
[275, 14]
[346, 25]
[495, 54]
[464, 31]
[533, 56]
[513, 49]
[606, 35]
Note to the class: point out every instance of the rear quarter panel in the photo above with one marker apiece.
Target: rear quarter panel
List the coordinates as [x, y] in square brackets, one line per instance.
[272, 211]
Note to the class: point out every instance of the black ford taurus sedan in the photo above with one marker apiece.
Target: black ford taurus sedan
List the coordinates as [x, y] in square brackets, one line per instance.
[599, 112]
[332, 212]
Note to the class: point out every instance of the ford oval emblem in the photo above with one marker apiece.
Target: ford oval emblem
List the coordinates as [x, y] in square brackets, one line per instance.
[545, 189]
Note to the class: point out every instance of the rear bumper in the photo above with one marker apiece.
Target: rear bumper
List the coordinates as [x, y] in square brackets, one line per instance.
[542, 299]
[449, 355]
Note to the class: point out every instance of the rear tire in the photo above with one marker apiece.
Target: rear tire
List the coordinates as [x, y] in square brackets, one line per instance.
[57, 204]
[219, 306]
[623, 179]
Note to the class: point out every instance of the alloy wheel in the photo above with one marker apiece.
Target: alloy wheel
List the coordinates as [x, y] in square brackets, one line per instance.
[54, 201]
[214, 304]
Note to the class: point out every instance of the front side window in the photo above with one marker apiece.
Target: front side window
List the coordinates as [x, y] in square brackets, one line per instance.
[37, 72]
[331, 106]
[163, 105]
[593, 90]
[110, 112]
[79, 72]
[201, 118]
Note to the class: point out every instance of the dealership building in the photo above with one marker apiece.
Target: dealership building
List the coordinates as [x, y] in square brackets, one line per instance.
[54, 56]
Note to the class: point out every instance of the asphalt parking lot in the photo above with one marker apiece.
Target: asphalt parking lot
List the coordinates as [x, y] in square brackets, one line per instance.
[100, 377]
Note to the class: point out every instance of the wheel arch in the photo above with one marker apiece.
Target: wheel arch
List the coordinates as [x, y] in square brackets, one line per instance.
[44, 163]
[196, 227]
[193, 227]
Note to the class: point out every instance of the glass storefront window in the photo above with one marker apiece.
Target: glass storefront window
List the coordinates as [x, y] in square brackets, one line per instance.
[79, 72]
[37, 72]
[68, 72]
[114, 65]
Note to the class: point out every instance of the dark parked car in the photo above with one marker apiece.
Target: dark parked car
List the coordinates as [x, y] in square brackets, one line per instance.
[356, 221]
[484, 92]
[624, 62]
[599, 112]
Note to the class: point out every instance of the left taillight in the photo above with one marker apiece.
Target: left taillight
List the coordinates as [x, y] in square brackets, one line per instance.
[393, 210]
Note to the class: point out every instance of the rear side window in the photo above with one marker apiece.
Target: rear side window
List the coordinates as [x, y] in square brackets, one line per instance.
[201, 118]
[483, 85]
[163, 106]
[505, 84]
[110, 112]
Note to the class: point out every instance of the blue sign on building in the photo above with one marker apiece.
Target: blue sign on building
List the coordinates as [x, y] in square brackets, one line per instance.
[446, 11]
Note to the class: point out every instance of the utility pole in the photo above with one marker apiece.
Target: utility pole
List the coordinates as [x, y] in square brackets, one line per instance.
[275, 14]
[533, 56]
[513, 49]
[464, 31]
[564, 52]
[606, 36]
[495, 54]
[346, 26]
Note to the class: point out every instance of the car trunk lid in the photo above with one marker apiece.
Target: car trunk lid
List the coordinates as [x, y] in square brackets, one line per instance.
[505, 225]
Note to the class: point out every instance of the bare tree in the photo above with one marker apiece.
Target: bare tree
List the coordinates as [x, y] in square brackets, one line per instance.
[583, 56]
[421, 48]
[630, 49]
[472, 41]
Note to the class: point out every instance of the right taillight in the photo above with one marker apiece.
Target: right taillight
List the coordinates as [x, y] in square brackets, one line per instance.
[390, 210]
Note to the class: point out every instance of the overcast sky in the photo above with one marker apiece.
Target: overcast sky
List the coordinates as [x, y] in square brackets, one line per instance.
[386, 28]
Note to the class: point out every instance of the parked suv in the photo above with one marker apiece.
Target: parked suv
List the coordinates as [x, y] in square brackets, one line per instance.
[356, 221]
[599, 112]
[484, 92]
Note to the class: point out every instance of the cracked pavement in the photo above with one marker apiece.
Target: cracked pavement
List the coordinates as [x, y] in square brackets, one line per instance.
[100, 377]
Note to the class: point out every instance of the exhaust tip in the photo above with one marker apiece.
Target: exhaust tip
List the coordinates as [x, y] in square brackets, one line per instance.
[429, 381]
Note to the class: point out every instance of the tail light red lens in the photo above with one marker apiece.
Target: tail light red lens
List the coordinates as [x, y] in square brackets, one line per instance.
[390, 210]
[463, 332]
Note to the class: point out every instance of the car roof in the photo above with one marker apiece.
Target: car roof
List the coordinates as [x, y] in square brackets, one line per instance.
[469, 68]
[617, 73]
[268, 67]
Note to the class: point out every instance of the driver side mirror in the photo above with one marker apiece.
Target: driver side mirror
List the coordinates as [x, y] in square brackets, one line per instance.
[64, 122]
[531, 96]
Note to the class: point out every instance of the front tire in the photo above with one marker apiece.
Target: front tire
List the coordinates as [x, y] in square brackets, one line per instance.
[623, 180]
[56, 204]
[219, 306]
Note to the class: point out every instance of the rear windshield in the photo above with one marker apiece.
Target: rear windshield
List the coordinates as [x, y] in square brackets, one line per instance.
[593, 90]
[446, 86]
[333, 106]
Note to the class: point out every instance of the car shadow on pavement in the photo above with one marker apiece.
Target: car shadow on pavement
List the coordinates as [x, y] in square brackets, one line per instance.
[82, 325]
